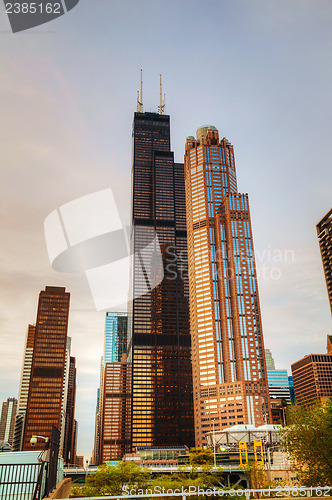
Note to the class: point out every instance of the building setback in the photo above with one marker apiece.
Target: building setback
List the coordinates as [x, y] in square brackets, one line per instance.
[7, 422]
[159, 344]
[324, 233]
[45, 399]
[229, 368]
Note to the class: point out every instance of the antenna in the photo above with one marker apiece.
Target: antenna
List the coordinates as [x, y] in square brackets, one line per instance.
[161, 106]
[140, 97]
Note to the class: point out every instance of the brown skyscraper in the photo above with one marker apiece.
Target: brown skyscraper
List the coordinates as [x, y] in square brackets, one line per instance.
[324, 233]
[229, 370]
[48, 364]
[312, 377]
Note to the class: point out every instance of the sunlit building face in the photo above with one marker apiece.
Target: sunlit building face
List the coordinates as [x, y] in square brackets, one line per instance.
[229, 372]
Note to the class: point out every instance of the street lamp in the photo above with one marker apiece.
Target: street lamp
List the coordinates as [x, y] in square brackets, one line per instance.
[214, 446]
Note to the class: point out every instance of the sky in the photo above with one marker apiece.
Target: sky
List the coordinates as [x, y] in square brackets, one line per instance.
[258, 70]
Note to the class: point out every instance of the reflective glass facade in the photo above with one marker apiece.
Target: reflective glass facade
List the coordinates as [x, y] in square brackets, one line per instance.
[159, 344]
[115, 344]
[324, 233]
[45, 397]
[229, 369]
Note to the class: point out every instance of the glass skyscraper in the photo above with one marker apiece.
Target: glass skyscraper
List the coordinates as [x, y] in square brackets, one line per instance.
[159, 341]
[115, 344]
[229, 368]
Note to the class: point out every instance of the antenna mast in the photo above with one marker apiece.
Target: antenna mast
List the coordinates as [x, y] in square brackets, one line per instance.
[140, 97]
[161, 106]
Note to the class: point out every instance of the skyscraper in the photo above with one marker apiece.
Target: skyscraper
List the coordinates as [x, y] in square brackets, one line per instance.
[111, 436]
[24, 388]
[69, 451]
[229, 368]
[324, 233]
[159, 344]
[277, 379]
[45, 398]
[115, 344]
[7, 421]
[312, 377]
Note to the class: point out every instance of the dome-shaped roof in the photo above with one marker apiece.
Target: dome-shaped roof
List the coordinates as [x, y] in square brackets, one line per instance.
[201, 132]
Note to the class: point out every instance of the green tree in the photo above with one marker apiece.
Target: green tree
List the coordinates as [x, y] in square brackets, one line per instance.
[109, 480]
[308, 440]
[200, 456]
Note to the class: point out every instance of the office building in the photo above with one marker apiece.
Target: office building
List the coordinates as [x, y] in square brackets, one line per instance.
[159, 343]
[291, 389]
[46, 388]
[229, 368]
[111, 434]
[24, 387]
[324, 233]
[312, 377]
[115, 343]
[114, 441]
[7, 422]
[69, 450]
[277, 379]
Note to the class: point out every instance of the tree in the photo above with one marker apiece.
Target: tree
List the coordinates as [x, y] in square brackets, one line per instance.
[200, 456]
[109, 480]
[308, 440]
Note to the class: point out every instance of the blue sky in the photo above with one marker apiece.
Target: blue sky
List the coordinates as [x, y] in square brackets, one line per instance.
[258, 70]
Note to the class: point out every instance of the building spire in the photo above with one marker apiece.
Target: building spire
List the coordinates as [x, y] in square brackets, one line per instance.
[161, 106]
[140, 97]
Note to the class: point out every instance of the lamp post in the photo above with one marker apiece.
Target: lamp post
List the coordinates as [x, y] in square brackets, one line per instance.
[214, 446]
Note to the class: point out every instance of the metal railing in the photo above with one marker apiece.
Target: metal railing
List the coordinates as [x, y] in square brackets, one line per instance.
[22, 481]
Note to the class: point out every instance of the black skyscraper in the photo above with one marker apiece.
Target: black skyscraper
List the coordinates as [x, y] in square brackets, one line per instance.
[159, 335]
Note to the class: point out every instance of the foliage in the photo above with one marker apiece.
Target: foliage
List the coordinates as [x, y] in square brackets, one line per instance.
[257, 475]
[109, 480]
[200, 456]
[308, 440]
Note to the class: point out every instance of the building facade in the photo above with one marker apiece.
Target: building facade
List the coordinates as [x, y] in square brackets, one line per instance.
[24, 387]
[69, 451]
[312, 378]
[159, 343]
[7, 422]
[115, 342]
[324, 233]
[229, 367]
[114, 440]
[278, 380]
[45, 397]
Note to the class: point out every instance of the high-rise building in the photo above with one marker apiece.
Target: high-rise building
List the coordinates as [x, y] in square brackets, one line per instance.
[229, 368]
[159, 344]
[114, 442]
[324, 233]
[24, 387]
[277, 379]
[45, 398]
[111, 436]
[312, 377]
[115, 344]
[7, 422]
[69, 437]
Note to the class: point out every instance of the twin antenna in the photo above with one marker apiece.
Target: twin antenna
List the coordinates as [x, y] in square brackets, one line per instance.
[161, 107]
